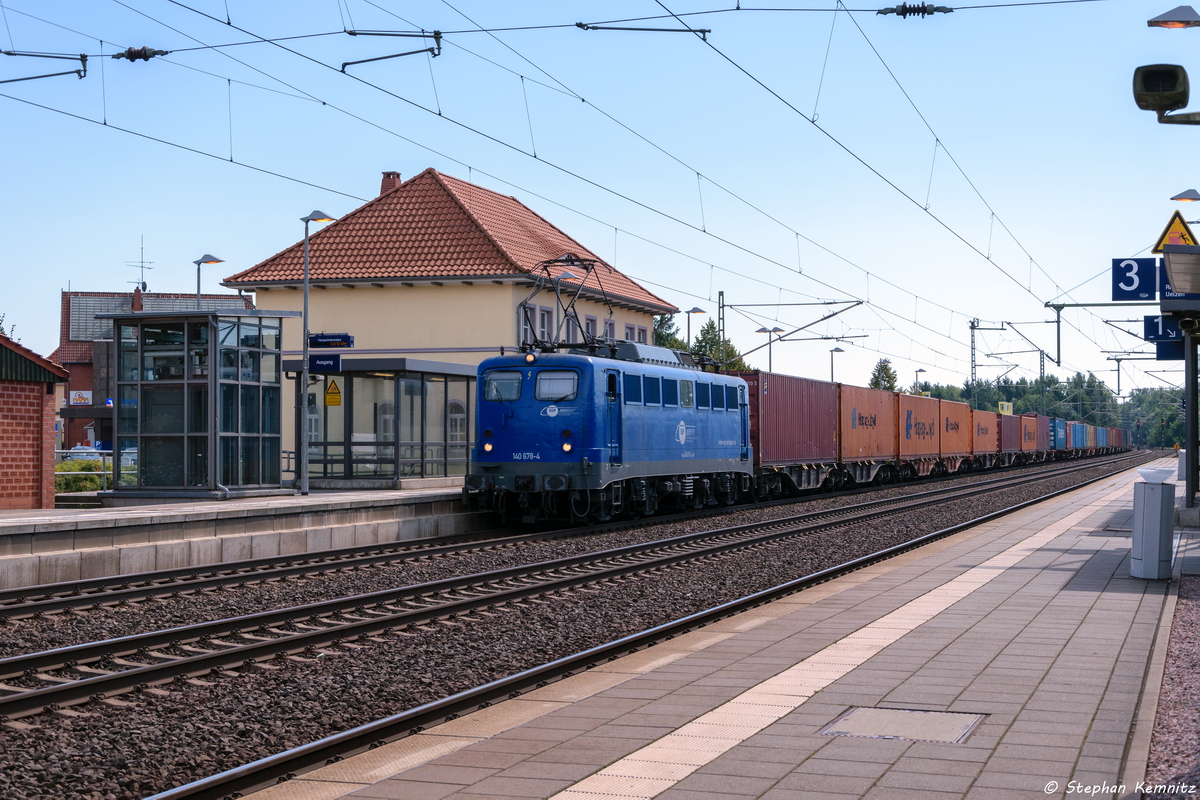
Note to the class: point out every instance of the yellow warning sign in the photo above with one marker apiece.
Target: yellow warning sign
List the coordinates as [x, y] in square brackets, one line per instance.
[1176, 232]
[333, 395]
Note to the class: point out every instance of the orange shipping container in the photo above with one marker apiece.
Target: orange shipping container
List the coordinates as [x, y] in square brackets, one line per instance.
[866, 423]
[1029, 433]
[956, 428]
[919, 428]
[985, 432]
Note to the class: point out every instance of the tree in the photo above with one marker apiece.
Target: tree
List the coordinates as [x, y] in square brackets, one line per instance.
[3, 330]
[721, 350]
[666, 332]
[883, 376]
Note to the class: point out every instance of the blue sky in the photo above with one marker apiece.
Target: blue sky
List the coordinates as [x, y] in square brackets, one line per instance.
[968, 165]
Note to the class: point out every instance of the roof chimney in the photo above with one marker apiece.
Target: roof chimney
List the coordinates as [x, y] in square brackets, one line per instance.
[137, 299]
[390, 181]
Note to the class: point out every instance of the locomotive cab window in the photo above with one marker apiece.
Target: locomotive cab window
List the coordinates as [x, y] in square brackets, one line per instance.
[718, 397]
[687, 396]
[502, 386]
[556, 385]
[731, 398]
[703, 392]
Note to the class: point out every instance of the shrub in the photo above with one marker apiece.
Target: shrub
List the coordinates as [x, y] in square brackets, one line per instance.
[80, 483]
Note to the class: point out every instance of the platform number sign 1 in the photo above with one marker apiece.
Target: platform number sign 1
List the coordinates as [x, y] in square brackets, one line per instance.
[1135, 279]
[1161, 329]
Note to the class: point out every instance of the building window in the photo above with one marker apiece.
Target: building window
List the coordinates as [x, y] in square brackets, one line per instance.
[641, 335]
[630, 333]
[610, 329]
[527, 315]
[589, 327]
[546, 324]
[572, 327]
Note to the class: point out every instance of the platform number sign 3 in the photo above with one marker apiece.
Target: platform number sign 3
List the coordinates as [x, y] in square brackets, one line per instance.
[1135, 279]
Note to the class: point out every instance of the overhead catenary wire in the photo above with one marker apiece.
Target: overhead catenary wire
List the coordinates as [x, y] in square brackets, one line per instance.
[790, 270]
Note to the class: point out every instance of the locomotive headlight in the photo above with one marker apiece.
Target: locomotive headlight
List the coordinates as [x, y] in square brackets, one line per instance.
[487, 447]
[530, 358]
[566, 447]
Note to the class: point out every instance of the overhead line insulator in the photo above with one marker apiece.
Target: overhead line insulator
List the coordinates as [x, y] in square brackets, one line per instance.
[140, 53]
[916, 10]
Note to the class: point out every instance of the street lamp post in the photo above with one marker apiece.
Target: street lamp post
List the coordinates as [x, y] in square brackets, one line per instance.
[769, 334]
[694, 310]
[204, 259]
[302, 412]
[917, 382]
[831, 352]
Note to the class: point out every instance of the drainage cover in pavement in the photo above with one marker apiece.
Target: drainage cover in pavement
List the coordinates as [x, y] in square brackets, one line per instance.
[900, 723]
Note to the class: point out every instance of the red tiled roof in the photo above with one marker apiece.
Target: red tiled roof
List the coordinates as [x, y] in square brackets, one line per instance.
[436, 226]
[29, 355]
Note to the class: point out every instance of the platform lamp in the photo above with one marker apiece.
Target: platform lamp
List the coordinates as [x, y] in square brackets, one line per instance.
[770, 333]
[1178, 17]
[204, 259]
[831, 352]
[302, 412]
[1190, 196]
[917, 381]
[694, 310]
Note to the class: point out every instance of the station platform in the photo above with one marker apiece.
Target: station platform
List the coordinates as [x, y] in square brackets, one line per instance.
[57, 545]
[1017, 659]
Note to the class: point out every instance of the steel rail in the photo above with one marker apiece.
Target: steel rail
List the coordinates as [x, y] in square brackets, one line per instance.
[287, 764]
[485, 590]
[115, 590]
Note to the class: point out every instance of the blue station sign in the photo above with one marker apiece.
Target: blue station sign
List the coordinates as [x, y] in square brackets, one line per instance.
[1161, 329]
[1169, 351]
[330, 340]
[1135, 278]
[331, 362]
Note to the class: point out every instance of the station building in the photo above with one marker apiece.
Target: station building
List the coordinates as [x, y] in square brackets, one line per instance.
[430, 277]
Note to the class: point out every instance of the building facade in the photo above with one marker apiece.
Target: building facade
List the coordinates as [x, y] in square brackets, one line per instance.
[431, 277]
[30, 393]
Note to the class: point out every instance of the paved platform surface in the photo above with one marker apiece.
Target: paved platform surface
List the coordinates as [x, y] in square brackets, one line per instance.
[1031, 621]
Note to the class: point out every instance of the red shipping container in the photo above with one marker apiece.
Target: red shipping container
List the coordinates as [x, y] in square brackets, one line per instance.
[1043, 437]
[1010, 433]
[920, 433]
[792, 420]
[867, 424]
[985, 432]
[1029, 433]
[956, 428]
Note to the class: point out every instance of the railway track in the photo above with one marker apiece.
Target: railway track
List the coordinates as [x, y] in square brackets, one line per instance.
[329, 748]
[121, 590]
[98, 671]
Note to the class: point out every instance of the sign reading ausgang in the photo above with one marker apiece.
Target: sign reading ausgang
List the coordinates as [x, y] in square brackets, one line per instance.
[325, 363]
[330, 340]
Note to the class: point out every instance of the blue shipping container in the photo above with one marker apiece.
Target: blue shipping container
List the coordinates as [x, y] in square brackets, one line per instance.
[1058, 434]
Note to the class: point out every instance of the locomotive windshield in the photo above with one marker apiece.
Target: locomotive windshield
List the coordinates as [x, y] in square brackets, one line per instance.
[500, 386]
[556, 385]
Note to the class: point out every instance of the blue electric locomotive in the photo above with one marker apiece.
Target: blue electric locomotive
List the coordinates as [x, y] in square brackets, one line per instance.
[616, 429]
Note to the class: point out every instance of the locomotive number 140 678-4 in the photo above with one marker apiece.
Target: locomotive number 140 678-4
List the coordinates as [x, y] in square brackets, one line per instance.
[527, 456]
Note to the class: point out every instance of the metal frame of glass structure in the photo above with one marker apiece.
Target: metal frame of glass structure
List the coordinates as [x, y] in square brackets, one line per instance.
[199, 400]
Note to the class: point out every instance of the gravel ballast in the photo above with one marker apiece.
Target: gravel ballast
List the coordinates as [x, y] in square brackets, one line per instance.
[1175, 748]
[193, 731]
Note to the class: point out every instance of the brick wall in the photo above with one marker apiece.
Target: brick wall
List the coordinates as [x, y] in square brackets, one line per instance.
[26, 445]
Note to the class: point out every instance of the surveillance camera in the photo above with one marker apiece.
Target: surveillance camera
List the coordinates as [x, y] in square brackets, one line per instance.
[1188, 324]
[1160, 87]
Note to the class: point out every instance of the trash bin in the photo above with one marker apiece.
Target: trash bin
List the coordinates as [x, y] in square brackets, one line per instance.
[1153, 525]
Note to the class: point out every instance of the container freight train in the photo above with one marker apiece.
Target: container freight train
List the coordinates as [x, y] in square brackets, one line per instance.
[623, 429]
